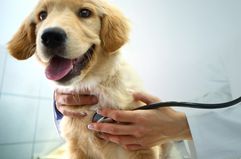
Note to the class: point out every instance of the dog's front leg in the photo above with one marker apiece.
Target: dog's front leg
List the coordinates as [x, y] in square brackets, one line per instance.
[74, 152]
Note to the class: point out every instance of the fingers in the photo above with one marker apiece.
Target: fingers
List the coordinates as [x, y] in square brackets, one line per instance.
[128, 142]
[70, 98]
[75, 114]
[146, 98]
[135, 147]
[63, 98]
[66, 91]
[122, 140]
[114, 129]
[76, 99]
[118, 115]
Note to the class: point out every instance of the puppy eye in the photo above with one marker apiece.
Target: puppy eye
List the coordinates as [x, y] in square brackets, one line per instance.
[43, 15]
[85, 13]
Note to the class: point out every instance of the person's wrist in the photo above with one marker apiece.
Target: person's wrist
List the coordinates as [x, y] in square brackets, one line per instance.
[184, 131]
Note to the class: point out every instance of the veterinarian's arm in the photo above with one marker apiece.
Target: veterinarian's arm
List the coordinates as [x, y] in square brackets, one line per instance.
[143, 128]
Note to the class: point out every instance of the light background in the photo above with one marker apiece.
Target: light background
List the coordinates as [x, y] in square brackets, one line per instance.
[172, 46]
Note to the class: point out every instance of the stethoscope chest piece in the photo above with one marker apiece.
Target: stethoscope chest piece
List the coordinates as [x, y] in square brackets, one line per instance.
[97, 118]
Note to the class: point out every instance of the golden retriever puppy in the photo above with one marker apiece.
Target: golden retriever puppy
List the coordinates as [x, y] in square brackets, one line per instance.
[78, 42]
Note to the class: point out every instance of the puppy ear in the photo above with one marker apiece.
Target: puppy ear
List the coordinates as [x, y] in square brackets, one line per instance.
[114, 30]
[23, 43]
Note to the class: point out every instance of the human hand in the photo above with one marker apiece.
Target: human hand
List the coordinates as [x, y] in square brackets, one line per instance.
[141, 129]
[63, 99]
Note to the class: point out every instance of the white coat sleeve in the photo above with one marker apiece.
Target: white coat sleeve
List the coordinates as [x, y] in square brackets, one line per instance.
[217, 134]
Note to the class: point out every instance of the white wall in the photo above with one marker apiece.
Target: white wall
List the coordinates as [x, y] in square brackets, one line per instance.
[176, 42]
[12, 14]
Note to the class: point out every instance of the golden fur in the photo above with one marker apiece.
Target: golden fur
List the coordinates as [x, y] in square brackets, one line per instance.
[107, 76]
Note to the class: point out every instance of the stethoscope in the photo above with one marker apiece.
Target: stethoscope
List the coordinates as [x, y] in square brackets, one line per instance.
[99, 118]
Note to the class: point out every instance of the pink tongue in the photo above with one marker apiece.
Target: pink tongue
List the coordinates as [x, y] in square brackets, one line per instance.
[58, 68]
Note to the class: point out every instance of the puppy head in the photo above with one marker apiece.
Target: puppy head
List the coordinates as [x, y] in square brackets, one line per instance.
[66, 35]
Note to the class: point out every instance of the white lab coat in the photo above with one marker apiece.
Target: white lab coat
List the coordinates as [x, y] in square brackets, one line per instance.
[217, 133]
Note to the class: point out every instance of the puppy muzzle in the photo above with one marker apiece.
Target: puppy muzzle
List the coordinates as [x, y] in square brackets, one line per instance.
[53, 38]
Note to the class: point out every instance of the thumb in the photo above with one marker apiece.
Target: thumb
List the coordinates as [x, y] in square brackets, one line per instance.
[146, 98]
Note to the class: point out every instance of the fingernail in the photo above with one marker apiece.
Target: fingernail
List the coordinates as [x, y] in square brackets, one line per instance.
[91, 126]
[83, 113]
[99, 111]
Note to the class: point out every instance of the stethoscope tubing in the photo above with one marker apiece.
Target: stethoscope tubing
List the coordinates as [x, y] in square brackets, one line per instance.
[99, 118]
[191, 105]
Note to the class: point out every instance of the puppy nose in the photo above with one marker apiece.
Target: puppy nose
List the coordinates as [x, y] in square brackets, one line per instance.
[53, 37]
